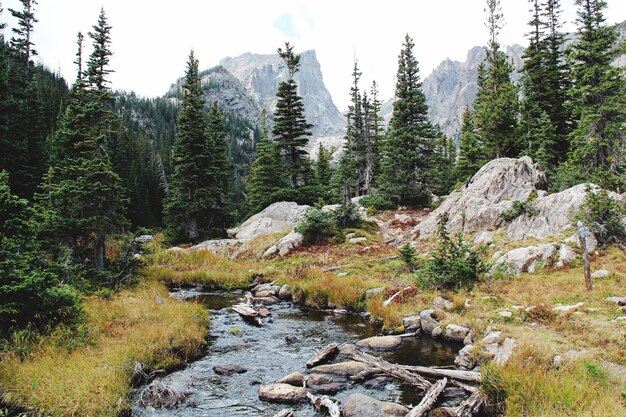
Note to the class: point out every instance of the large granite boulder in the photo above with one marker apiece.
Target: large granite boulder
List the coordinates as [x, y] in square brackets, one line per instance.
[285, 245]
[484, 198]
[527, 259]
[275, 218]
[282, 393]
[554, 213]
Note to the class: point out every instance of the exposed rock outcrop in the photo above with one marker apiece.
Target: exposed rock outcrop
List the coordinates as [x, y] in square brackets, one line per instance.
[481, 202]
[285, 245]
[275, 218]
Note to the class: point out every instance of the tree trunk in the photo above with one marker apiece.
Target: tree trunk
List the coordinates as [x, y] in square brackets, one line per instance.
[429, 399]
[100, 249]
[192, 229]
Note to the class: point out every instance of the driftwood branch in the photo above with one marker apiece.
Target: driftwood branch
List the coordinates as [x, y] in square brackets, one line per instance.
[388, 301]
[285, 413]
[324, 403]
[388, 368]
[470, 406]
[429, 399]
[325, 354]
[467, 376]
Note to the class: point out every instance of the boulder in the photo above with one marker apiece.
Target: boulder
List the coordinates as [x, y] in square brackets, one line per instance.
[380, 343]
[373, 291]
[359, 405]
[526, 259]
[466, 358]
[503, 353]
[283, 393]
[344, 369]
[143, 239]
[228, 370]
[403, 218]
[285, 245]
[427, 321]
[601, 273]
[480, 203]
[296, 379]
[411, 323]
[620, 301]
[566, 256]
[285, 292]
[326, 383]
[437, 331]
[590, 241]
[217, 246]
[484, 238]
[357, 240]
[440, 303]
[564, 309]
[506, 314]
[554, 215]
[275, 218]
[456, 333]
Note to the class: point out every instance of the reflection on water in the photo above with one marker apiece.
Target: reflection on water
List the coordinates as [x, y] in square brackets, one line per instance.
[282, 346]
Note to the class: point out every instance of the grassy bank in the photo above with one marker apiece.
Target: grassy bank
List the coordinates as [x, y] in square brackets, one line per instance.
[94, 377]
[339, 276]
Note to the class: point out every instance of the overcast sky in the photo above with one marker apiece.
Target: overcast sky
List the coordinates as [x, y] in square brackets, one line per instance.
[152, 39]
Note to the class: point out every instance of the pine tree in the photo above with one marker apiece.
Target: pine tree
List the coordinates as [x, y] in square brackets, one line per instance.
[28, 292]
[98, 65]
[220, 172]
[599, 102]
[82, 197]
[410, 142]
[190, 200]
[544, 87]
[471, 150]
[374, 134]
[496, 103]
[290, 126]
[22, 44]
[266, 175]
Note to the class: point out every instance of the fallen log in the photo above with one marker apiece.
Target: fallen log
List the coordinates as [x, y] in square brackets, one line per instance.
[429, 399]
[324, 402]
[366, 374]
[285, 413]
[467, 376]
[470, 406]
[388, 368]
[247, 312]
[409, 335]
[466, 387]
[388, 301]
[326, 354]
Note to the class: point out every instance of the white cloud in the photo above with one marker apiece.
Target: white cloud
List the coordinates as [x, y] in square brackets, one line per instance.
[151, 40]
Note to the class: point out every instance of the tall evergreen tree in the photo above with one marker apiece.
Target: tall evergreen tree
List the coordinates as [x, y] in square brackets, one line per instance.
[471, 150]
[544, 87]
[410, 143]
[190, 200]
[98, 65]
[599, 102]
[496, 103]
[82, 198]
[266, 174]
[220, 172]
[291, 129]
[22, 43]
[374, 136]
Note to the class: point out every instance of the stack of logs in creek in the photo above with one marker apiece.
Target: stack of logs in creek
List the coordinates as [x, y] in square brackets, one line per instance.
[345, 356]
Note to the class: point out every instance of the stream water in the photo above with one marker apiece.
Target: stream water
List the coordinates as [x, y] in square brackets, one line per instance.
[282, 346]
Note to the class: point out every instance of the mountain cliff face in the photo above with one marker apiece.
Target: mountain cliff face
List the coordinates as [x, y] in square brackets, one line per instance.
[451, 87]
[261, 74]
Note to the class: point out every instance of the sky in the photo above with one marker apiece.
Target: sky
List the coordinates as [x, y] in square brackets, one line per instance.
[151, 39]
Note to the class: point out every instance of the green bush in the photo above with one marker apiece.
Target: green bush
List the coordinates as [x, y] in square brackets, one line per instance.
[317, 226]
[603, 215]
[520, 208]
[348, 216]
[408, 255]
[377, 202]
[454, 264]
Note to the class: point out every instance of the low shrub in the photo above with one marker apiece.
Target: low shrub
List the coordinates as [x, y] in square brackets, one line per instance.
[520, 208]
[454, 264]
[603, 215]
[409, 256]
[318, 226]
[377, 202]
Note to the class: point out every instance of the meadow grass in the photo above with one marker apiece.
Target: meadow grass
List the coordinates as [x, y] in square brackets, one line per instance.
[141, 325]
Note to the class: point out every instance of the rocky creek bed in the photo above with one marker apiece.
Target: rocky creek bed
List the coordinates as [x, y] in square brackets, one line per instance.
[241, 358]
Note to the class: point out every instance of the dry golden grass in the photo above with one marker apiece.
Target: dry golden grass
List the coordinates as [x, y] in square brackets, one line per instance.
[140, 325]
[198, 268]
